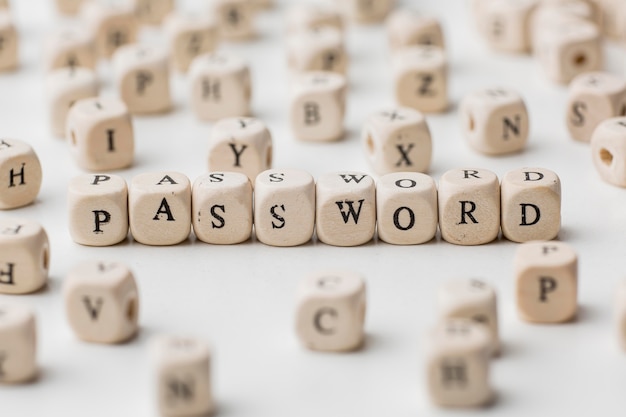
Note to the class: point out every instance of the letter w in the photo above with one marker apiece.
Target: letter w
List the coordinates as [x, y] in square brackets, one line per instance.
[350, 212]
[352, 177]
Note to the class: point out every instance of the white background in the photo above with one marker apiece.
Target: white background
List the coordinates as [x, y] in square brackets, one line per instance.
[241, 298]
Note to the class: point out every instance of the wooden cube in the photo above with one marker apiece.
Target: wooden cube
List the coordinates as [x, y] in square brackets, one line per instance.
[567, 47]
[69, 47]
[220, 86]
[306, 17]
[189, 36]
[9, 42]
[593, 98]
[102, 302]
[421, 78]
[457, 363]
[64, 87]
[495, 121]
[546, 281]
[318, 106]
[4, 5]
[406, 208]
[152, 12]
[159, 206]
[506, 24]
[345, 208]
[112, 25]
[367, 11]
[235, 18]
[100, 132]
[608, 150]
[69, 7]
[330, 313]
[284, 207]
[471, 299]
[24, 256]
[620, 314]
[222, 208]
[143, 82]
[548, 11]
[397, 140]
[469, 206]
[182, 376]
[98, 209]
[18, 344]
[240, 144]
[406, 27]
[20, 174]
[531, 204]
[320, 49]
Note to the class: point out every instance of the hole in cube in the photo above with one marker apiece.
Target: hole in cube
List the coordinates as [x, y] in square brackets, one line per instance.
[622, 111]
[45, 259]
[131, 310]
[269, 157]
[73, 137]
[471, 125]
[580, 59]
[606, 157]
[370, 144]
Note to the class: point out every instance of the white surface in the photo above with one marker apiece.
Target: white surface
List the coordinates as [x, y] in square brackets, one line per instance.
[240, 298]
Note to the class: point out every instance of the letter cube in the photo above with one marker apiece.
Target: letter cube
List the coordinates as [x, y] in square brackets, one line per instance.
[235, 18]
[24, 256]
[9, 58]
[548, 11]
[367, 11]
[112, 25]
[305, 17]
[406, 27]
[20, 174]
[471, 299]
[4, 4]
[608, 150]
[188, 37]
[64, 87]
[457, 364]
[159, 206]
[506, 24]
[320, 49]
[330, 313]
[69, 7]
[495, 121]
[240, 144]
[469, 206]
[345, 208]
[620, 314]
[182, 376]
[69, 47]
[100, 132]
[152, 12]
[593, 98]
[284, 207]
[222, 208]
[546, 277]
[531, 204]
[220, 86]
[421, 78]
[18, 344]
[98, 209]
[318, 106]
[406, 204]
[397, 140]
[101, 302]
[143, 78]
[567, 47]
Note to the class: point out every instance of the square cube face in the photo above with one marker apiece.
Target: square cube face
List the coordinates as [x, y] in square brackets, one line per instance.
[495, 121]
[240, 144]
[531, 204]
[546, 276]
[318, 106]
[222, 208]
[284, 207]
[98, 209]
[608, 150]
[100, 132]
[102, 302]
[220, 86]
[321, 49]
[235, 18]
[69, 47]
[182, 376]
[160, 208]
[406, 27]
[507, 24]
[190, 36]
[20, 174]
[113, 25]
[406, 205]
[18, 344]
[331, 311]
[8, 42]
[152, 12]
[397, 140]
[345, 208]
[421, 79]
[24, 256]
[469, 206]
